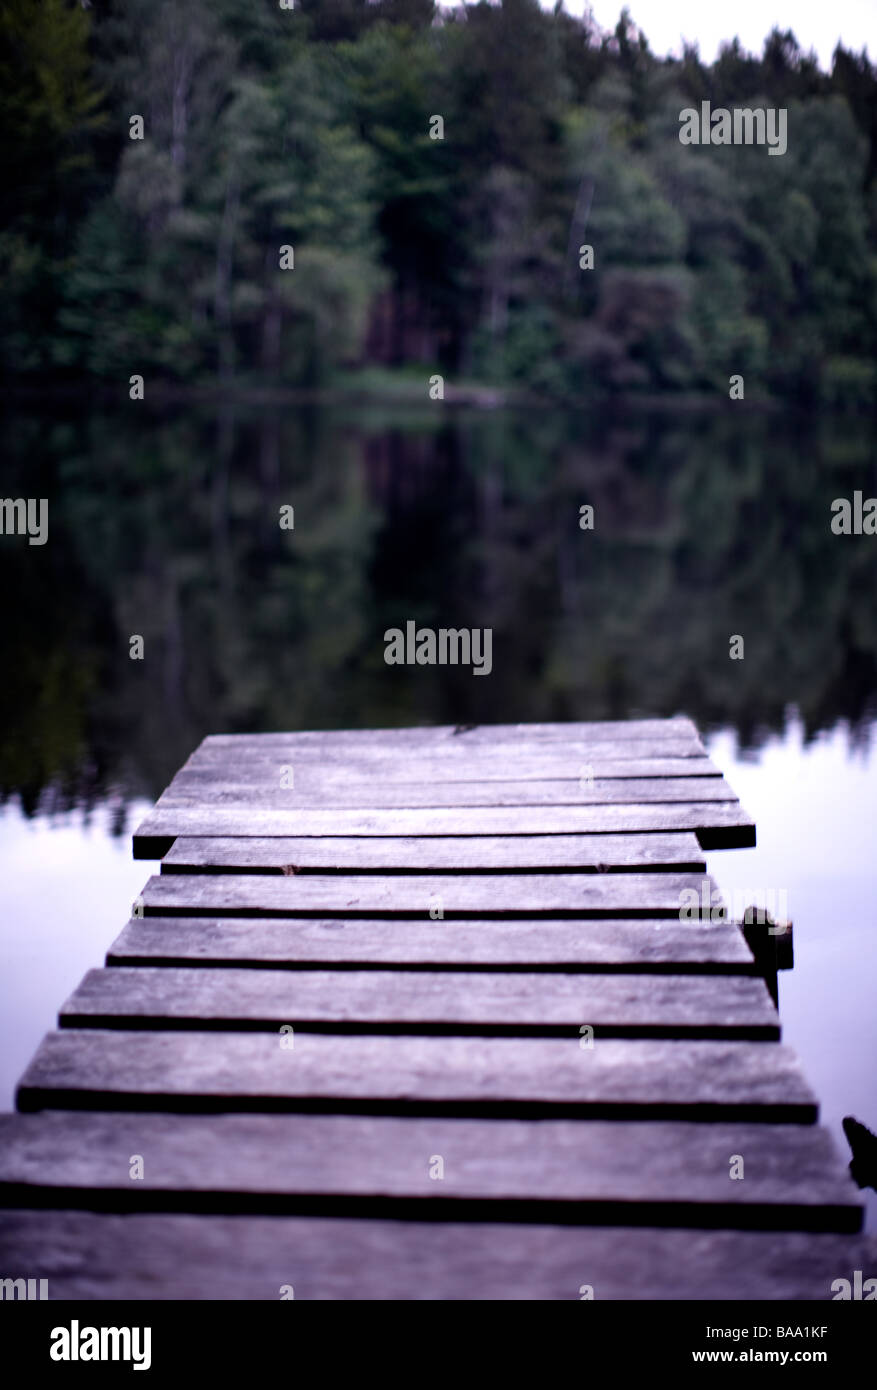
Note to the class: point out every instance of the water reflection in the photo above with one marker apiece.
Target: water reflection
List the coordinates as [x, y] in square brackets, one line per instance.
[167, 526]
[815, 806]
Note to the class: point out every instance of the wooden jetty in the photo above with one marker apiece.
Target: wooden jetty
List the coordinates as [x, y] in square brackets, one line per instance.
[413, 1013]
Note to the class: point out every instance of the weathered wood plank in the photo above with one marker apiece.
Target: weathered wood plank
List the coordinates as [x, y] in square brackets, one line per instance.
[613, 944]
[315, 770]
[621, 757]
[472, 853]
[189, 790]
[89, 1256]
[718, 825]
[436, 736]
[405, 1001]
[482, 895]
[571, 1171]
[112, 1070]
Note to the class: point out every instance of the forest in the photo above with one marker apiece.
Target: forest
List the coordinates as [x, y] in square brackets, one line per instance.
[314, 128]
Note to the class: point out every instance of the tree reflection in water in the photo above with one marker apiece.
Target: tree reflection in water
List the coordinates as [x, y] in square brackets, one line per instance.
[166, 525]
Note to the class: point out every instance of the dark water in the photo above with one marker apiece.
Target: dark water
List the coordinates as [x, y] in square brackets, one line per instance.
[167, 526]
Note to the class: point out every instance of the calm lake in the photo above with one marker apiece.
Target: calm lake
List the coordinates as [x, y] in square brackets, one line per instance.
[166, 526]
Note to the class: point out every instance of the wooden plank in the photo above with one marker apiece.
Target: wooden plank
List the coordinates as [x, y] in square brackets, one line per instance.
[621, 755]
[86, 1255]
[481, 895]
[553, 1170]
[473, 853]
[93, 1069]
[485, 895]
[424, 1002]
[295, 943]
[317, 770]
[436, 736]
[718, 825]
[270, 795]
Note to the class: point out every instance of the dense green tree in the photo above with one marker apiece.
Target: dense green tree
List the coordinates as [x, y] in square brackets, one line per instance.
[49, 112]
[435, 172]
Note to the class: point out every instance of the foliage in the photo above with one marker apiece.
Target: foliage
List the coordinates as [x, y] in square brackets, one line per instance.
[310, 128]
